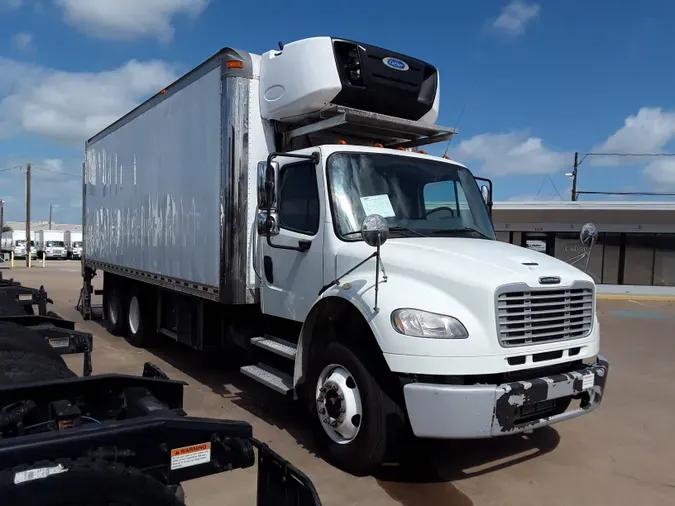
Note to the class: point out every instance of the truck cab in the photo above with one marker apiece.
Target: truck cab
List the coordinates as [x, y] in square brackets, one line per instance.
[411, 310]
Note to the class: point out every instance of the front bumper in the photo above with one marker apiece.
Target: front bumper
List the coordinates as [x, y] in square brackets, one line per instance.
[482, 411]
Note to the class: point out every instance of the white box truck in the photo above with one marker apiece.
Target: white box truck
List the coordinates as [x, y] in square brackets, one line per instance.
[73, 241]
[14, 241]
[272, 203]
[50, 244]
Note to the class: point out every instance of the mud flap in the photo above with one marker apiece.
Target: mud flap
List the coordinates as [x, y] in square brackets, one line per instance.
[280, 483]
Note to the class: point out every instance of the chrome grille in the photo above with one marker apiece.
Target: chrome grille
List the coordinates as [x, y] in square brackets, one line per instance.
[543, 316]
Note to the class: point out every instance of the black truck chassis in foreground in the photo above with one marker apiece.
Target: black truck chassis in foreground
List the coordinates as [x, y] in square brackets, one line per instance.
[112, 438]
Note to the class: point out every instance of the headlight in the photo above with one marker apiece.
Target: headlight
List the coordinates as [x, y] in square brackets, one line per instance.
[416, 323]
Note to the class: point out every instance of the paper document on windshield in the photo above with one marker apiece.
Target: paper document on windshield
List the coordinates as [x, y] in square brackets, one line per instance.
[378, 204]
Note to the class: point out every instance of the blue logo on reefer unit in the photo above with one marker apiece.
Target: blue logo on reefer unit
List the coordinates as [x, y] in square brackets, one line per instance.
[395, 63]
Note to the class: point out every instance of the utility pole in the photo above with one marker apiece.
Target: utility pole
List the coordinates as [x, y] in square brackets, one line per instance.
[574, 176]
[50, 216]
[2, 216]
[28, 245]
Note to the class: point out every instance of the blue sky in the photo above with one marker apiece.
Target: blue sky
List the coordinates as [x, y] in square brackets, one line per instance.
[536, 81]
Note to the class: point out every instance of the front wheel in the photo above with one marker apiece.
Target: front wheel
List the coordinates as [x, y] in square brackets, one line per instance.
[354, 418]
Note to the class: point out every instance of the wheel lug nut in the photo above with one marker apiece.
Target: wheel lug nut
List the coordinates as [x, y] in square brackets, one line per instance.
[322, 411]
[326, 420]
[333, 423]
[322, 390]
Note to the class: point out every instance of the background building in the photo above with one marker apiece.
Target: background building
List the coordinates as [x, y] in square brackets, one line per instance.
[42, 225]
[636, 244]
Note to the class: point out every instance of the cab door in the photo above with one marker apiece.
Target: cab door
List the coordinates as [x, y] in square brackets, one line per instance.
[291, 267]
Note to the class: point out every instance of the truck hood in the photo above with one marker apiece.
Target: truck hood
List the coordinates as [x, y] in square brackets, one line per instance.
[475, 262]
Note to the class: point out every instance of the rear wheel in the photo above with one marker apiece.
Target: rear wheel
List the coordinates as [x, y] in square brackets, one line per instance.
[139, 318]
[115, 312]
[83, 482]
[355, 419]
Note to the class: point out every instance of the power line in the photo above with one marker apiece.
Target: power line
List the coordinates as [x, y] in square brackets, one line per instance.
[11, 168]
[58, 172]
[653, 194]
[629, 154]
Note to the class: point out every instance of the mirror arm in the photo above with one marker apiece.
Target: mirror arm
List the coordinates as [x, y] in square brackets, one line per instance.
[336, 281]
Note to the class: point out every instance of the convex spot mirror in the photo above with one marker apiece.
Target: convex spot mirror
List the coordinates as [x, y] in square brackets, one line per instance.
[374, 230]
[588, 235]
[485, 192]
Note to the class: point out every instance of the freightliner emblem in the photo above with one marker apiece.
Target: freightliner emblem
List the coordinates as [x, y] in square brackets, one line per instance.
[549, 280]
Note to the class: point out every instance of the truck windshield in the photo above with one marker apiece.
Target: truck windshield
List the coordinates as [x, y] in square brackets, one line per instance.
[77, 244]
[51, 244]
[417, 197]
[23, 243]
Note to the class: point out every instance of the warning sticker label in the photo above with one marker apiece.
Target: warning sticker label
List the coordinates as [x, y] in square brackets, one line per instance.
[189, 456]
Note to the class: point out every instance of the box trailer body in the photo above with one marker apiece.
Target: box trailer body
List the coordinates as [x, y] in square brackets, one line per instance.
[169, 190]
[73, 241]
[14, 241]
[50, 244]
[278, 204]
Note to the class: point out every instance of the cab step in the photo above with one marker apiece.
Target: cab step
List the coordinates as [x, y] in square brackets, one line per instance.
[276, 345]
[270, 377]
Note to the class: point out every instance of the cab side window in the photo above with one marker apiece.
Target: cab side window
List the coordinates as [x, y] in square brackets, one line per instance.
[299, 198]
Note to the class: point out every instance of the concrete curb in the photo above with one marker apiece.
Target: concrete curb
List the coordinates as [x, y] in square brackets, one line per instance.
[628, 296]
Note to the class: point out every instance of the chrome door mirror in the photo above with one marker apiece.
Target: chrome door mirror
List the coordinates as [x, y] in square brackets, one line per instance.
[262, 197]
[374, 230]
[268, 175]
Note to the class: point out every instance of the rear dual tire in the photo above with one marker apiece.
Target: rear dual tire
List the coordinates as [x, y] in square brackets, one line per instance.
[129, 316]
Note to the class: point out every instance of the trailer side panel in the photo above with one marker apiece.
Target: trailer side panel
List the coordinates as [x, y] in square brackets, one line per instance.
[153, 188]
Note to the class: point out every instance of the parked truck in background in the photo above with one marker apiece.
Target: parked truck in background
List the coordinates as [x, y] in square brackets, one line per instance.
[50, 244]
[14, 241]
[272, 204]
[73, 241]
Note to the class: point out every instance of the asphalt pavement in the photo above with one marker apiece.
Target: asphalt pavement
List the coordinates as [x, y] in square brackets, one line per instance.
[622, 454]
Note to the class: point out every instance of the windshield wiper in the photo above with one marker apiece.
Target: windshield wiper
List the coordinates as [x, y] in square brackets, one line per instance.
[403, 230]
[460, 230]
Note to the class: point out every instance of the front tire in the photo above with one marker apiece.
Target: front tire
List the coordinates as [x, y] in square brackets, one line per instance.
[354, 419]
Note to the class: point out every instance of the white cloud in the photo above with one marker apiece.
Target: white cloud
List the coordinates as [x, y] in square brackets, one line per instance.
[515, 17]
[13, 4]
[649, 131]
[662, 172]
[72, 106]
[128, 19]
[646, 132]
[510, 153]
[22, 41]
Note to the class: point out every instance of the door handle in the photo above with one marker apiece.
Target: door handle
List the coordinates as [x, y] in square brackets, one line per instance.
[304, 245]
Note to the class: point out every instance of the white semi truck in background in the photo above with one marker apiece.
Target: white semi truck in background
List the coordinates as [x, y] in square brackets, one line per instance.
[50, 244]
[272, 204]
[14, 241]
[73, 242]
